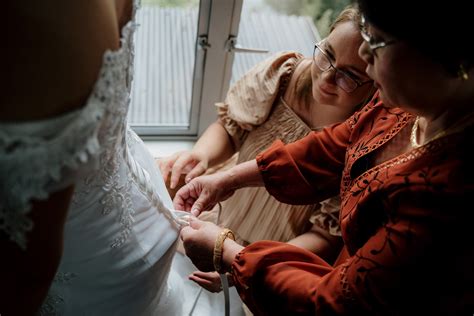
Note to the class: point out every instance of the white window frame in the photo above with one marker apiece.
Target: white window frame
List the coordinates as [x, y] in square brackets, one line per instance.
[218, 21]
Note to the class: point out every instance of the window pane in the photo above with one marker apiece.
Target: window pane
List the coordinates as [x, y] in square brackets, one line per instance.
[164, 63]
[263, 27]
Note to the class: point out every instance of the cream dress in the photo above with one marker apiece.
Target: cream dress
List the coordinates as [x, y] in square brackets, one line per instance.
[255, 115]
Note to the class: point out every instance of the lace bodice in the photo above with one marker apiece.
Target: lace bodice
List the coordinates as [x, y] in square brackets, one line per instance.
[37, 158]
[40, 157]
[120, 232]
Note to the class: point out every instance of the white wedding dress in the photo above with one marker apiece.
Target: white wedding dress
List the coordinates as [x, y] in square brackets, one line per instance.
[120, 235]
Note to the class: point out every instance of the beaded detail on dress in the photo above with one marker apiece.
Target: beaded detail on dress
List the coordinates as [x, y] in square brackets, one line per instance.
[35, 162]
[41, 157]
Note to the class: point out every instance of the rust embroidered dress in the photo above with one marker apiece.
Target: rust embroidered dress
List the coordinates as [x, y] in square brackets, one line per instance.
[406, 223]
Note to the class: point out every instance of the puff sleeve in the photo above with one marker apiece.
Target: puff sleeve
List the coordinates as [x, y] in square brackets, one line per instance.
[249, 101]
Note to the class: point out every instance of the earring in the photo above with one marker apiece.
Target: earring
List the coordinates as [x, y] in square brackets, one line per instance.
[462, 73]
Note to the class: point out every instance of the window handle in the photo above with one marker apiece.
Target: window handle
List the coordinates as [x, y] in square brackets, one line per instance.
[203, 42]
[232, 46]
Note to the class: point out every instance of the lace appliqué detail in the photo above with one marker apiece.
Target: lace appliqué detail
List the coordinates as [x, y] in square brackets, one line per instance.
[52, 301]
[118, 198]
[114, 176]
[50, 305]
[31, 167]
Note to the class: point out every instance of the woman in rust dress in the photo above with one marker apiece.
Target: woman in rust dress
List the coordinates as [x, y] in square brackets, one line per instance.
[404, 173]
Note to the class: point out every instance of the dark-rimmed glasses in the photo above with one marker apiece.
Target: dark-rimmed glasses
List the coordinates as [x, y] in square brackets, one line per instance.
[373, 43]
[343, 80]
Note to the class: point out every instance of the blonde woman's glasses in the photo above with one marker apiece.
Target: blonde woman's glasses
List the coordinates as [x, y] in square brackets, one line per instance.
[343, 79]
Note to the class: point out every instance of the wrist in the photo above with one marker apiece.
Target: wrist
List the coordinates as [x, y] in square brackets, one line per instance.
[200, 154]
[232, 179]
[230, 250]
[245, 174]
[225, 235]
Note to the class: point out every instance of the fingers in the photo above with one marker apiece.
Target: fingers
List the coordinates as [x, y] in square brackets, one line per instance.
[178, 201]
[207, 284]
[208, 280]
[187, 231]
[198, 170]
[196, 209]
[166, 164]
[207, 275]
[195, 223]
[190, 199]
[183, 200]
[195, 197]
[185, 161]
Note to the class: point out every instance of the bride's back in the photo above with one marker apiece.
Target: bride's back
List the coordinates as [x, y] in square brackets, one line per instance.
[63, 137]
[53, 52]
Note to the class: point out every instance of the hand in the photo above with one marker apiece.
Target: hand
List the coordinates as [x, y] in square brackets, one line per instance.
[202, 193]
[199, 239]
[211, 281]
[183, 162]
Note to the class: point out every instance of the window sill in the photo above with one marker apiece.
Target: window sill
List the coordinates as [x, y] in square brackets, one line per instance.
[163, 148]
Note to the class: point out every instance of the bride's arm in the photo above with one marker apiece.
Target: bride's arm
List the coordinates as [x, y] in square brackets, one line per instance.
[27, 274]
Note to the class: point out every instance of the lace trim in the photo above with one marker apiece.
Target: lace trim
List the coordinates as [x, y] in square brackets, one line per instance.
[53, 301]
[404, 158]
[50, 305]
[31, 167]
[64, 277]
[356, 154]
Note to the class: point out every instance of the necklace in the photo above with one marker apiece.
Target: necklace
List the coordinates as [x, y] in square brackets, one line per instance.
[414, 131]
[458, 126]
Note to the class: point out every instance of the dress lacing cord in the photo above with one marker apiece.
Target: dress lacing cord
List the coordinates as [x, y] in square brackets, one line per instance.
[143, 180]
[178, 218]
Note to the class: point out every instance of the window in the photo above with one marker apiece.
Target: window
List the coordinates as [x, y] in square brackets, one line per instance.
[188, 55]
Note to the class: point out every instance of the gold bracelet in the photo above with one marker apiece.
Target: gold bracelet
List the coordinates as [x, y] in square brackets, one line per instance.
[218, 247]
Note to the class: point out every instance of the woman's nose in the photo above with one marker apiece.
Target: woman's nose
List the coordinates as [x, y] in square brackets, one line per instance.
[329, 75]
[365, 53]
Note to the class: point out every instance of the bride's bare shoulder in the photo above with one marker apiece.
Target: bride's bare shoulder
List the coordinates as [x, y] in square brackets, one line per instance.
[54, 53]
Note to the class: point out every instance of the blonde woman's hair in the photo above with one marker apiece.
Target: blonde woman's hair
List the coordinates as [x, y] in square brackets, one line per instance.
[349, 14]
[304, 82]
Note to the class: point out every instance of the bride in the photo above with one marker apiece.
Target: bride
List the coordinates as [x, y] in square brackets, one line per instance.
[86, 225]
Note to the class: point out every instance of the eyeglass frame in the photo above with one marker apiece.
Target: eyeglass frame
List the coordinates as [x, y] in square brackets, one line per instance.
[337, 70]
[369, 39]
